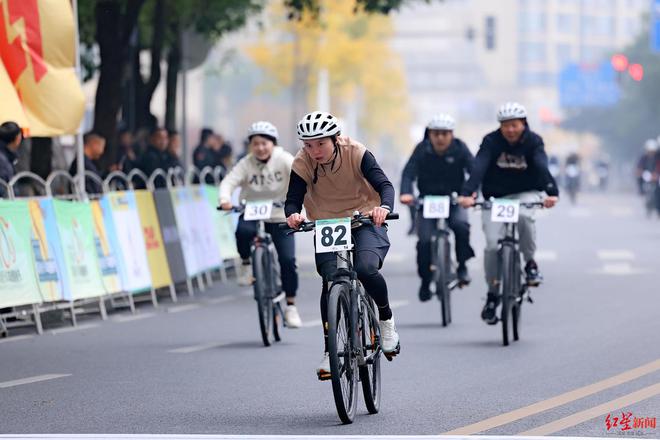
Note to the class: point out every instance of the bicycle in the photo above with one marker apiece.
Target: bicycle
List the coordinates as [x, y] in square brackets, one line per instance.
[353, 327]
[443, 269]
[266, 271]
[513, 290]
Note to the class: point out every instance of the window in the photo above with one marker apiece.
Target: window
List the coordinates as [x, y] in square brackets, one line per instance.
[564, 53]
[541, 78]
[531, 22]
[566, 23]
[531, 53]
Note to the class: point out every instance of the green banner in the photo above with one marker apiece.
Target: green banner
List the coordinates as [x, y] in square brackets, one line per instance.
[224, 226]
[18, 278]
[76, 228]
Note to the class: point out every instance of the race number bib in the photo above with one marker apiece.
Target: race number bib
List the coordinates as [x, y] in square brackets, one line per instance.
[436, 207]
[333, 235]
[505, 211]
[258, 210]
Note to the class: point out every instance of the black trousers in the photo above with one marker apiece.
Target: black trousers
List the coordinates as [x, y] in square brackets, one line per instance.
[457, 222]
[284, 244]
[370, 245]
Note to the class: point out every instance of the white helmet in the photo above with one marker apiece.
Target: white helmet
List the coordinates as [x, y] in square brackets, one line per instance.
[317, 125]
[651, 145]
[511, 110]
[263, 127]
[442, 121]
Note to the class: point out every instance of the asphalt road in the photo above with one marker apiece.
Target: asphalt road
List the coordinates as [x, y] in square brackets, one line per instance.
[198, 367]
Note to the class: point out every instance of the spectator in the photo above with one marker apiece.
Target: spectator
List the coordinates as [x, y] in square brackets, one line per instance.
[174, 150]
[156, 156]
[10, 141]
[203, 155]
[126, 158]
[223, 155]
[93, 145]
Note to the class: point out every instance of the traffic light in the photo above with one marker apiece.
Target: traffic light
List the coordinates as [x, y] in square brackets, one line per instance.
[636, 72]
[619, 62]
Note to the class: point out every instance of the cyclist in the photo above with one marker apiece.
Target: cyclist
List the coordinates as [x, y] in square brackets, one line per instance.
[439, 164]
[647, 162]
[511, 163]
[263, 174]
[333, 177]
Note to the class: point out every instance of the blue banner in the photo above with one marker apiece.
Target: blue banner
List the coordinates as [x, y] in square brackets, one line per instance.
[655, 25]
[581, 86]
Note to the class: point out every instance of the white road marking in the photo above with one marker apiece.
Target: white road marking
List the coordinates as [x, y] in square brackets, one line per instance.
[72, 329]
[615, 254]
[16, 338]
[278, 437]
[33, 379]
[618, 269]
[307, 324]
[184, 308]
[196, 348]
[621, 212]
[545, 255]
[399, 303]
[580, 213]
[129, 318]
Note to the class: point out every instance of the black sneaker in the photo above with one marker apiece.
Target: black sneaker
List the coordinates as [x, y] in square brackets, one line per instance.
[488, 314]
[532, 274]
[463, 275]
[424, 292]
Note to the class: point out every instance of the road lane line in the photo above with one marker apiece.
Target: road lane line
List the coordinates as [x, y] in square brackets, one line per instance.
[393, 305]
[545, 255]
[315, 323]
[72, 329]
[615, 254]
[33, 379]
[16, 338]
[196, 348]
[596, 411]
[128, 318]
[618, 269]
[556, 401]
[184, 308]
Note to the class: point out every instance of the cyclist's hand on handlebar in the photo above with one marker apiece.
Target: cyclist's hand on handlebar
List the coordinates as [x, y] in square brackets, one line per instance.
[550, 201]
[294, 220]
[467, 201]
[378, 215]
[226, 206]
[407, 199]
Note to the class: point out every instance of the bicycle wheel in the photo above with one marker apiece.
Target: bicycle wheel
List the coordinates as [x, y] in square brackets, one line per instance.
[448, 279]
[369, 331]
[507, 286]
[440, 277]
[262, 294]
[278, 312]
[278, 320]
[343, 364]
[516, 311]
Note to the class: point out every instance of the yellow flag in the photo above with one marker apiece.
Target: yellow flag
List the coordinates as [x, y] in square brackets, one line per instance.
[39, 88]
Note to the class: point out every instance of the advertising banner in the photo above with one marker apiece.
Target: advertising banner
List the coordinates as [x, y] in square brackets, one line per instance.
[76, 232]
[18, 279]
[125, 233]
[170, 232]
[153, 239]
[224, 225]
[104, 251]
[45, 246]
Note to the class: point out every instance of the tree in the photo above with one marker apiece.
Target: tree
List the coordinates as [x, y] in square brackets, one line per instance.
[349, 43]
[624, 127]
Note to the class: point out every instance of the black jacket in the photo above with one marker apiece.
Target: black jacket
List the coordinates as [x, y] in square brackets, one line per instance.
[437, 175]
[7, 160]
[152, 160]
[91, 186]
[502, 169]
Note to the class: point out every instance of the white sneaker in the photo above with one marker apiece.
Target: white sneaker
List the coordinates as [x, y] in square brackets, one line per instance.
[389, 338]
[323, 370]
[245, 277]
[291, 317]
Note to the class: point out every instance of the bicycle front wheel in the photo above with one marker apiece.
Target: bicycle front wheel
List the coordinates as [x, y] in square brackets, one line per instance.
[440, 278]
[369, 332]
[508, 290]
[343, 363]
[262, 294]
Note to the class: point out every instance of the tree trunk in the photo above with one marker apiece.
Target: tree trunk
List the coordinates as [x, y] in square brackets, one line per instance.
[113, 30]
[145, 117]
[173, 68]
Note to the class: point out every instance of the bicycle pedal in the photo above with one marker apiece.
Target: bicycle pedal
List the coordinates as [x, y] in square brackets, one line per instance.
[392, 354]
[324, 375]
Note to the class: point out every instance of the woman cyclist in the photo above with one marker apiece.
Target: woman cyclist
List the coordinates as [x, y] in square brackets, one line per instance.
[333, 177]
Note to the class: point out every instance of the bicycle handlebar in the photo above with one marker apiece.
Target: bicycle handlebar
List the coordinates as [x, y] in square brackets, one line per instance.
[487, 204]
[241, 207]
[361, 219]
